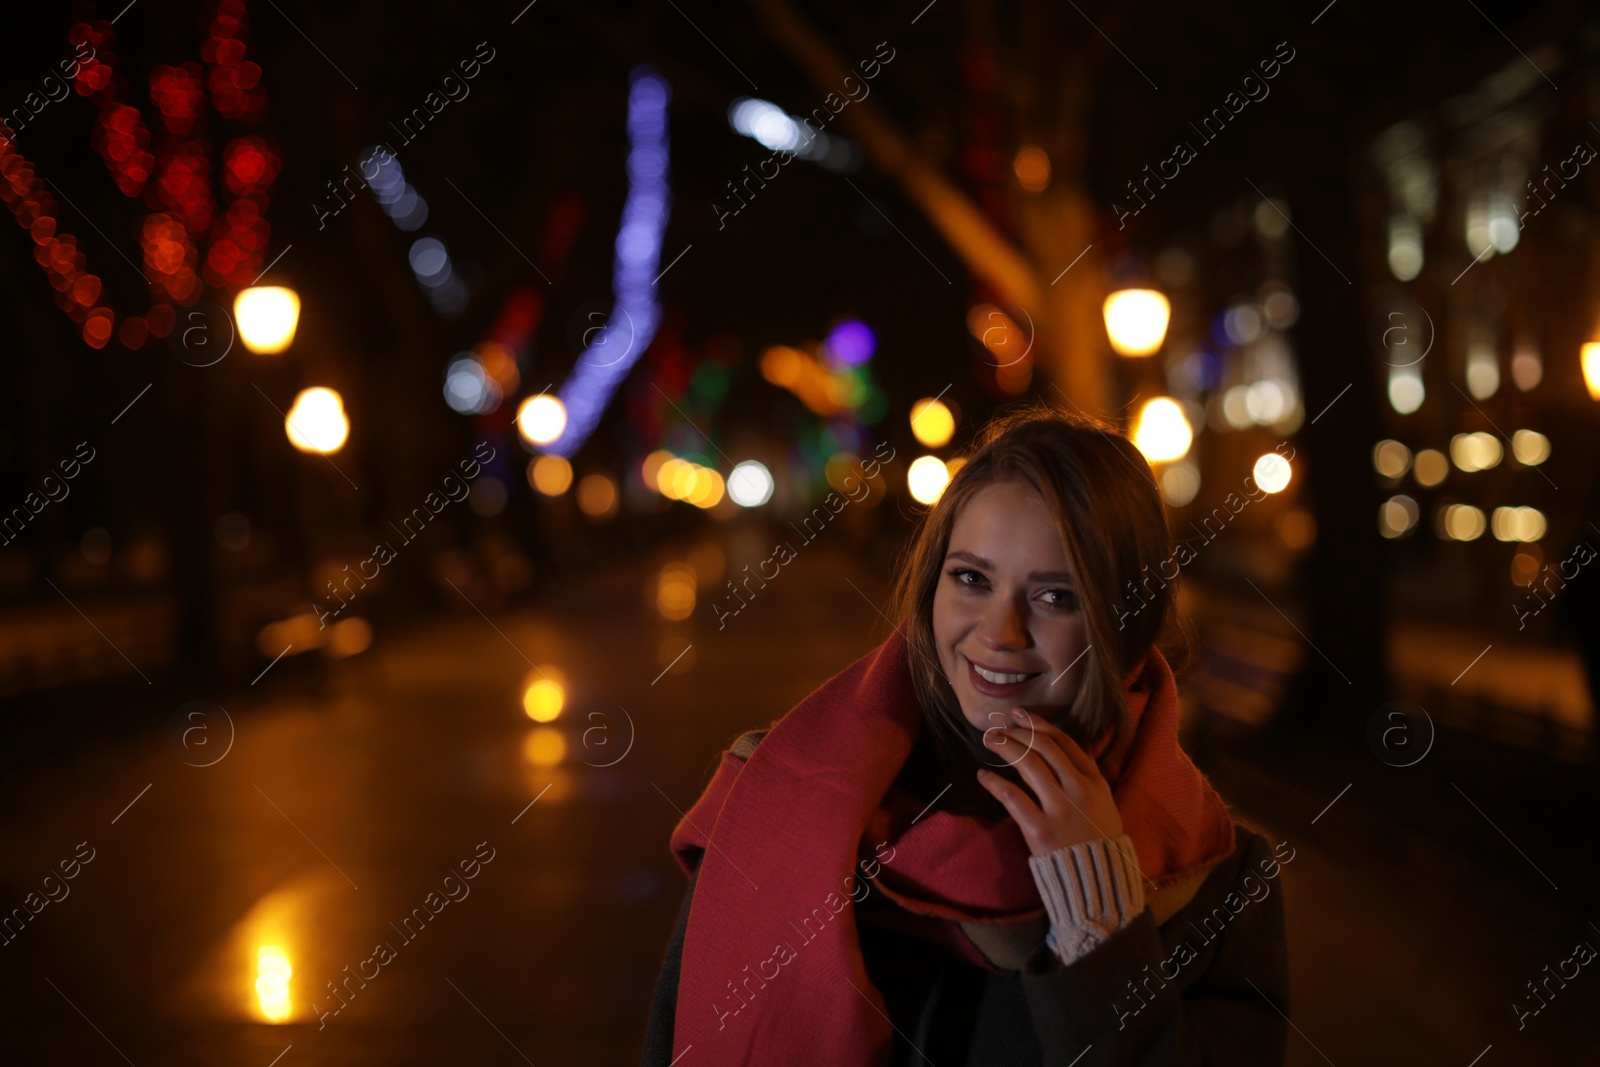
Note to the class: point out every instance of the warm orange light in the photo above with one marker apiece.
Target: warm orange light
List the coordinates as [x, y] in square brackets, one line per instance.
[545, 746]
[675, 591]
[597, 496]
[708, 490]
[349, 637]
[817, 386]
[1136, 321]
[1164, 433]
[267, 316]
[316, 421]
[1000, 334]
[1032, 168]
[550, 474]
[1591, 369]
[542, 699]
[650, 469]
[272, 983]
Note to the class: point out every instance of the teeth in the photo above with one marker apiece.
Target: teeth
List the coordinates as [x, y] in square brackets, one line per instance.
[999, 679]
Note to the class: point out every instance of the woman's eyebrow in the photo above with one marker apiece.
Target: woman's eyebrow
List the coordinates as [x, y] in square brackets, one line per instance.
[1036, 576]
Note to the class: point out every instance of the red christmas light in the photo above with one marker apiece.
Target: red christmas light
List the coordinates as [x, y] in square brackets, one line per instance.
[174, 178]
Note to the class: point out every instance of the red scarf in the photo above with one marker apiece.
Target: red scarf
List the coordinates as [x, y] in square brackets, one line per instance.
[813, 820]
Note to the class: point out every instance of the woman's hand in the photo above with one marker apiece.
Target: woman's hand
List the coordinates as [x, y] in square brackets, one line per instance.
[1073, 799]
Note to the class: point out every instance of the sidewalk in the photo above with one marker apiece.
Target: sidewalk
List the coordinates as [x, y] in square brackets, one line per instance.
[1534, 697]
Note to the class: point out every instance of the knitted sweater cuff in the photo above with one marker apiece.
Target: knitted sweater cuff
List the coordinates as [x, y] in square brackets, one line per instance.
[1090, 890]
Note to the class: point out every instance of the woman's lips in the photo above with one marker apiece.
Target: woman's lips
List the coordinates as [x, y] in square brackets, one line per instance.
[990, 689]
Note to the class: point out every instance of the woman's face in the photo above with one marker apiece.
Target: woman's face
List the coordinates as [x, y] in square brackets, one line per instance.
[1006, 617]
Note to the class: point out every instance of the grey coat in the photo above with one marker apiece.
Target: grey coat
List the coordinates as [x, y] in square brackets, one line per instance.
[1201, 979]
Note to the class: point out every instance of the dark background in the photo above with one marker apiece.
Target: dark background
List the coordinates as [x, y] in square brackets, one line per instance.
[1431, 892]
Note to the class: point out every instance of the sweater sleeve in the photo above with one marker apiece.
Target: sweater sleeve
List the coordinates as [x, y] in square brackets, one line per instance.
[1211, 986]
[1090, 890]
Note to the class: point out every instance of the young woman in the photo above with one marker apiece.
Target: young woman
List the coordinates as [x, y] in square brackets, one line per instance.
[980, 843]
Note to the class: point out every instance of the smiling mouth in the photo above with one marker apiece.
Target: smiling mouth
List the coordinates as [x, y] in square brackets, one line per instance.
[999, 679]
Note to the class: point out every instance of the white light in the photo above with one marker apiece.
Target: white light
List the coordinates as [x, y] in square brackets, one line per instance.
[926, 478]
[1405, 389]
[1461, 522]
[1483, 371]
[750, 484]
[1236, 407]
[775, 128]
[1517, 524]
[1136, 321]
[465, 386]
[1405, 248]
[1272, 472]
[540, 419]
[1503, 228]
[1479, 243]
[1530, 447]
[1163, 433]
[1266, 401]
[1397, 516]
[1391, 458]
[1476, 451]
[428, 257]
[267, 316]
[316, 421]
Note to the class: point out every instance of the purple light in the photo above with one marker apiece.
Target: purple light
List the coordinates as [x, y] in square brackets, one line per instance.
[851, 343]
[636, 312]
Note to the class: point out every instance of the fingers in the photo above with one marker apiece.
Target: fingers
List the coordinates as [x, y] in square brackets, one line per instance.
[1017, 804]
[1080, 760]
[1043, 765]
[1038, 775]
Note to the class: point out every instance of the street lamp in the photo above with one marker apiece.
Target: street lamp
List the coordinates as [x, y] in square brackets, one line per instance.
[267, 316]
[1163, 433]
[1591, 369]
[1136, 321]
[316, 422]
[541, 419]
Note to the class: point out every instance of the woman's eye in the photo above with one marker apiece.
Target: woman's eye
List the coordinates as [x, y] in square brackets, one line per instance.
[1064, 598]
[960, 574]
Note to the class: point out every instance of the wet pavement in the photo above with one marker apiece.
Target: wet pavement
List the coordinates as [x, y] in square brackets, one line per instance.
[391, 863]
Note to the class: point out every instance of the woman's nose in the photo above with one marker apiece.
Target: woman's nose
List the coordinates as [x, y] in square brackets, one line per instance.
[1004, 624]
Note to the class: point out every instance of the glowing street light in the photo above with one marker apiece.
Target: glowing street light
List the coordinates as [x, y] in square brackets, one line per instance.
[316, 422]
[1272, 472]
[1136, 321]
[541, 419]
[750, 484]
[932, 423]
[272, 983]
[1163, 433]
[267, 316]
[926, 478]
[551, 475]
[1591, 369]
[542, 697]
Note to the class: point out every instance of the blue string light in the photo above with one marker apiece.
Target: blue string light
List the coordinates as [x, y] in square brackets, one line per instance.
[636, 313]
